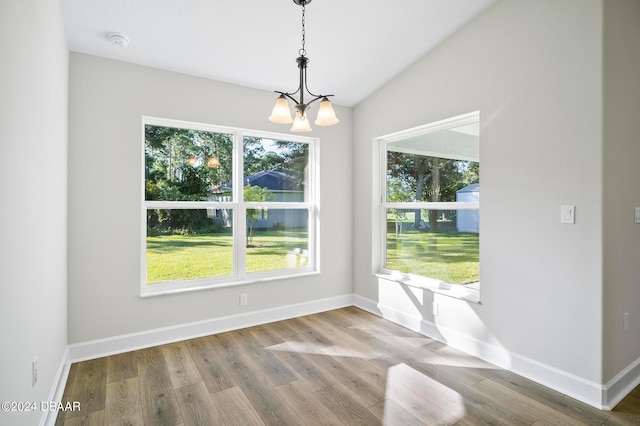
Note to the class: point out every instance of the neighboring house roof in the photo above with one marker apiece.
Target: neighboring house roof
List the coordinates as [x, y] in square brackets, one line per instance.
[275, 180]
[474, 187]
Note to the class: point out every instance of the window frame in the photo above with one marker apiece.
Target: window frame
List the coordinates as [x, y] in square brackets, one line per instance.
[239, 207]
[379, 252]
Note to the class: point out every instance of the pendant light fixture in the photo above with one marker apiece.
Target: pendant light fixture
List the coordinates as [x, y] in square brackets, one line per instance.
[281, 113]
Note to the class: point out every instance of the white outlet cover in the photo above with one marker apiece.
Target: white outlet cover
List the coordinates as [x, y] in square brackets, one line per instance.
[34, 371]
[625, 321]
[568, 214]
[637, 215]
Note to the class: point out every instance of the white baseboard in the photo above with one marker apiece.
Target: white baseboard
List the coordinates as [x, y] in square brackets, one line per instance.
[594, 394]
[145, 339]
[366, 305]
[566, 383]
[128, 342]
[57, 390]
[559, 380]
[620, 386]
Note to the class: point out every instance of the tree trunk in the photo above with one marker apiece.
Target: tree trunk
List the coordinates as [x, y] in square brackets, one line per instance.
[420, 179]
[435, 193]
[250, 234]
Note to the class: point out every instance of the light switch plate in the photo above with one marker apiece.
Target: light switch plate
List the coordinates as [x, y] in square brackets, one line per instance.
[568, 214]
[637, 217]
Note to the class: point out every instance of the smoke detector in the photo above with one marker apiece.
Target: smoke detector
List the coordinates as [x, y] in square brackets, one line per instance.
[119, 40]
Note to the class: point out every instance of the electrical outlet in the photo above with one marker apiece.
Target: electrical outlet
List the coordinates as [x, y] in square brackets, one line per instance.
[34, 371]
[243, 299]
[637, 215]
[625, 321]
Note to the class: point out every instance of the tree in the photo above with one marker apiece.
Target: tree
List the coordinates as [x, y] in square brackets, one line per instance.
[293, 157]
[421, 168]
[435, 192]
[254, 155]
[255, 193]
[196, 165]
[397, 192]
[179, 166]
[295, 160]
[429, 178]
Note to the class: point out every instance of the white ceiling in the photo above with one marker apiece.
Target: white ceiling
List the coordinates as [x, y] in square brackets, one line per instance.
[354, 47]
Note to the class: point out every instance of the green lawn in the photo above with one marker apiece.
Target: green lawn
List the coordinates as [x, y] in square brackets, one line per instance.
[186, 257]
[450, 257]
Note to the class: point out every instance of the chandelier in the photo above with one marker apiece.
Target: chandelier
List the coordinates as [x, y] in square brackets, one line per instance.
[281, 113]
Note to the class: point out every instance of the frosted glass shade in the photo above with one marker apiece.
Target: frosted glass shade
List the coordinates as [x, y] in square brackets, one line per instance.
[281, 113]
[326, 114]
[300, 124]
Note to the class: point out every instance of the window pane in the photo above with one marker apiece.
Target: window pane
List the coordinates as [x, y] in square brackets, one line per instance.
[277, 239]
[189, 205]
[439, 244]
[185, 244]
[275, 170]
[187, 165]
[413, 177]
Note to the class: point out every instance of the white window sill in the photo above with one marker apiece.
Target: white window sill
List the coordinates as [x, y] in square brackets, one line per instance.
[173, 287]
[468, 292]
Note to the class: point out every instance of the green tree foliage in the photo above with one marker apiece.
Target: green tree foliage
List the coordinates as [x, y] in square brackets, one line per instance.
[425, 178]
[295, 156]
[195, 165]
[176, 156]
[184, 165]
[290, 156]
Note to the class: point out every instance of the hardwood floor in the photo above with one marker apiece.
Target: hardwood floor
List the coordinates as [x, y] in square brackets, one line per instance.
[341, 367]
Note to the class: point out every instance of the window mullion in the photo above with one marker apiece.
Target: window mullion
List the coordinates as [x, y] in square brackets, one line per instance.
[188, 205]
[239, 240]
[277, 205]
[313, 201]
[240, 216]
[431, 205]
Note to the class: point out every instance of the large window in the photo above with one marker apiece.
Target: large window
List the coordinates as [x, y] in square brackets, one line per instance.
[225, 206]
[429, 217]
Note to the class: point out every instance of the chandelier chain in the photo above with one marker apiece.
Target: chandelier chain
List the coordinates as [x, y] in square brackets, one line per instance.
[302, 51]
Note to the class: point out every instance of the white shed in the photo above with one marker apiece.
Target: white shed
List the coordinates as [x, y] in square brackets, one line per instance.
[468, 220]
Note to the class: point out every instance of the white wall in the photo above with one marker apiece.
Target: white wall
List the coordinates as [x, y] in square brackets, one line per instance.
[621, 185]
[107, 101]
[534, 71]
[33, 189]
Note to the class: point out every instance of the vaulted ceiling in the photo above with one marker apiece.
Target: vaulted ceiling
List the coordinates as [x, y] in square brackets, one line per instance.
[354, 47]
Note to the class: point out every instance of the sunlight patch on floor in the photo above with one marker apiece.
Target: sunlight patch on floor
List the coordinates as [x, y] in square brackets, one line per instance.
[451, 360]
[318, 349]
[425, 398]
[337, 350]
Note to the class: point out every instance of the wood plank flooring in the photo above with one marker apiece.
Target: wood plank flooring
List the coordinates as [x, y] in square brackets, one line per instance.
[343, 367]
